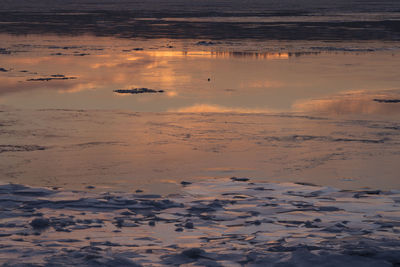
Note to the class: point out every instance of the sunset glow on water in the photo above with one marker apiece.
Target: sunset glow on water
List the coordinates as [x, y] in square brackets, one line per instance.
[252, 81]
[199, 133]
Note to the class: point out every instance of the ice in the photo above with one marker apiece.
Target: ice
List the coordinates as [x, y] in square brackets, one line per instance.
[306, 225]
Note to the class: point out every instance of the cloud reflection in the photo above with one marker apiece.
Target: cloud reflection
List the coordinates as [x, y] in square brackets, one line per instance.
[352, 102]
[206, 108]
[116, 70]
[193, 81]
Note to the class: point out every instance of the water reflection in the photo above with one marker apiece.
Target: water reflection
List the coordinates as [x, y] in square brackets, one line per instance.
[222, 54]
[230, 54]
[204, 108]
[194, 79]
[354, 102]
[263, 56]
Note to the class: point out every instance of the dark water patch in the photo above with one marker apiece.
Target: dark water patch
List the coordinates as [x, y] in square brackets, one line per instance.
[392, 127]
[81, 54]
[308, 117]
[304, 183]
[239, 179]
[63, 109]
[93, 144]
[4, 51]
[64, 47]
[7, 122]
[184, 8]
[4, 70]
[368, 141]
[295, 138]
[342, 49]
[40, 223]
[53, 77]
[138, 91]
[305, 138]
[133, 49]
[207, 43]
[120, 23]
[387, 100]
[20, 148]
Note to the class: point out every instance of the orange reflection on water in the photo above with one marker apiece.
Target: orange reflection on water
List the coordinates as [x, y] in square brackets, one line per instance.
[218, 54]
[206, 108]
[352, 102]
[194, 78]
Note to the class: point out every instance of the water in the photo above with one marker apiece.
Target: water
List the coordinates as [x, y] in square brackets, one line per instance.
[275, 90]
[218, 20]
[122, 150]
[237, 6]
[105, 104]
[198, 78]
[276, 111]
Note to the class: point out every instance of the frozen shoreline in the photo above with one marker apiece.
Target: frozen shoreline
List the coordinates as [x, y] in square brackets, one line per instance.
[212, 223]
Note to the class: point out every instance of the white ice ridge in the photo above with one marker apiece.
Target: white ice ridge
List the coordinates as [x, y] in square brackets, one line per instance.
[213, 223]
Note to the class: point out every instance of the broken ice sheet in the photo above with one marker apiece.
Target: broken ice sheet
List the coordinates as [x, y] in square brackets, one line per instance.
[211, 222]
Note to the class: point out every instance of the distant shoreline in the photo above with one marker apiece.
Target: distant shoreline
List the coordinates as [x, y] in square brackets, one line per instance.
[204, 23]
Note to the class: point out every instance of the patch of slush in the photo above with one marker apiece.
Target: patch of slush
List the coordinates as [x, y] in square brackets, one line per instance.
[212, 223]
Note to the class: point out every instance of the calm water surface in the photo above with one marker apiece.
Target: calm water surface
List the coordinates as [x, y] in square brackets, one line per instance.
[194, 77]
[277, 111]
